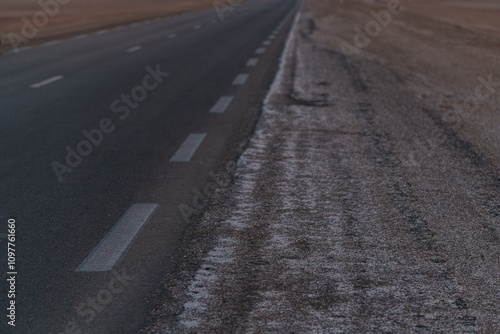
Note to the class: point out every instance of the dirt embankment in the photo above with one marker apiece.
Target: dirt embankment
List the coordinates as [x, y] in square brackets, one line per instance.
[79, 16]
[443, 52]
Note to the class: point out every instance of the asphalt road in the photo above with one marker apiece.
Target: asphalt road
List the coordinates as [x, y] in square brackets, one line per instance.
[51, 94]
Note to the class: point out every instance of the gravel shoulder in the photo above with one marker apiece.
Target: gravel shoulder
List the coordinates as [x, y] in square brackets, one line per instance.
[356, 206]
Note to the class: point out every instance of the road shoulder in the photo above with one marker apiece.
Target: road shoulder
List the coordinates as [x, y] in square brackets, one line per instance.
[339, 218]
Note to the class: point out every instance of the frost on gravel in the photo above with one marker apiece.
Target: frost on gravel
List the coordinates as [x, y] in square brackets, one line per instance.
[332, 228]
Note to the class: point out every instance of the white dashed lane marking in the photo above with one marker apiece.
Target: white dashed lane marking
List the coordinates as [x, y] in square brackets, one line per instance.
[46, 82]
[81, 37]
[134, 49]
[222, 104]
[118, 240]
[252, 61]
[260, 51]
[240, 79]
[266, 43]
[52, 43]
[23, 49]
[188, 148]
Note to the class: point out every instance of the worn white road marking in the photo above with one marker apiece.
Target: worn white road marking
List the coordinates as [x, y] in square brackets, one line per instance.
[46, 82]
[118, 240]
[134, 49]
[271, 37]
[101, 32]
[240, 79]
[52, 43]
[222, 104]
[188, 148]
[22, 49]
[118, 28]
[134, 25]
[172, 36]
[81, 36]
[266, 43]
[260, 51]
[252, 61]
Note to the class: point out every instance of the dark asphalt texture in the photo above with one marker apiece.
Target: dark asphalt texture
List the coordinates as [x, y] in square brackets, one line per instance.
[60, 223]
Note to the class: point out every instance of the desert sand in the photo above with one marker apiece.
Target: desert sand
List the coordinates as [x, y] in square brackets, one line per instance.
[80, 16]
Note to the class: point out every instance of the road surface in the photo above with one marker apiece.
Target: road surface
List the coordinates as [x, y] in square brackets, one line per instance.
[156, 143]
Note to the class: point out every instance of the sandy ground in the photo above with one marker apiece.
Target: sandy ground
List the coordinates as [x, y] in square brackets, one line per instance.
[79, 16]
[355, 208]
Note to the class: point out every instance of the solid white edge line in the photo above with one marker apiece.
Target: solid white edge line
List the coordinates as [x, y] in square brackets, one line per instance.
[118, 240]
[221, 105]
[188, 148]
[47, 81]
[278, 78]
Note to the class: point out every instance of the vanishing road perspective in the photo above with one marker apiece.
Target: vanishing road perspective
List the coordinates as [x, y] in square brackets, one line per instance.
[249, 166]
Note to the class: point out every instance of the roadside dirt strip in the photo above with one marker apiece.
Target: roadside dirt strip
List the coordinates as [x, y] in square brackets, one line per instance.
[354, 210]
